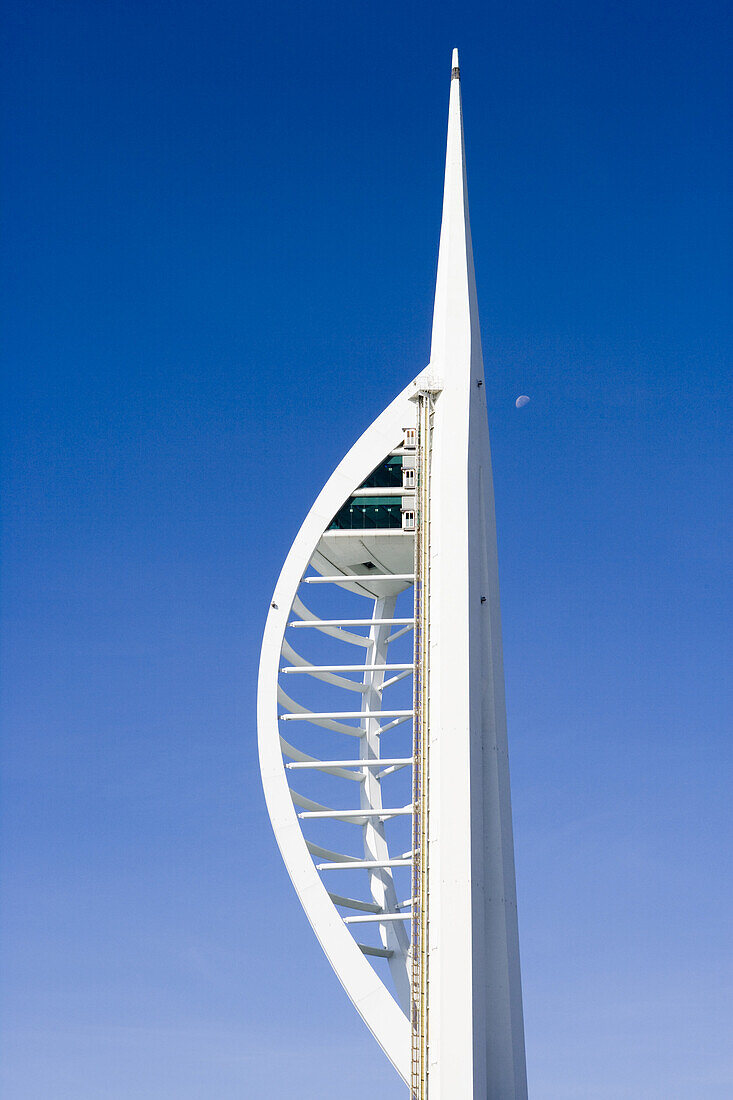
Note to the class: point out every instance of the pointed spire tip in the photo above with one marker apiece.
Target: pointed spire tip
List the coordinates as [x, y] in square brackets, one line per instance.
[455, 73]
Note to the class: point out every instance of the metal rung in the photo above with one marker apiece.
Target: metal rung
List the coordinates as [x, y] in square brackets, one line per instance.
[383, 491]
[291, 707]
[380, 918]
[308, 617]
[355, 864]
[313, 762]
[346, 668]
[349, 763]
[303, 665]
[350, 622]
[351, 579]
[346, 714]
[348, 815]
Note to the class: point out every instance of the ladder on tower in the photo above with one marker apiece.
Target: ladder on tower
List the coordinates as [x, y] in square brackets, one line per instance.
[421, 757]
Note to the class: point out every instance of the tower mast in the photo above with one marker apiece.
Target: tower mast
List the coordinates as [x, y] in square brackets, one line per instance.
[474, 1000]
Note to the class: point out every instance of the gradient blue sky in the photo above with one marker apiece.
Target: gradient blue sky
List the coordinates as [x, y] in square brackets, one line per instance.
[220, 240]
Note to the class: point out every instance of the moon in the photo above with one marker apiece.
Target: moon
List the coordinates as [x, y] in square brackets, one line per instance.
[521, 401]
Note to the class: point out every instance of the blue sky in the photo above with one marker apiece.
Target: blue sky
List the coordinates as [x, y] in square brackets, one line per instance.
[220, 238]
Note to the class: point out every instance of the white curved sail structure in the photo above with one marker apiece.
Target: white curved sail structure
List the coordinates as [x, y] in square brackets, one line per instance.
[382, 728]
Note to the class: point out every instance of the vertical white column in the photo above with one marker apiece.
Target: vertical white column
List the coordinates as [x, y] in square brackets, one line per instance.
[476, 1045]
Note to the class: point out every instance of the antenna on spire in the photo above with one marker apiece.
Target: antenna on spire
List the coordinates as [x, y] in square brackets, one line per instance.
[455, 70]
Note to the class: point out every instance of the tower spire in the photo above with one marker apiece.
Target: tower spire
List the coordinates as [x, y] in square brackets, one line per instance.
[455, 313]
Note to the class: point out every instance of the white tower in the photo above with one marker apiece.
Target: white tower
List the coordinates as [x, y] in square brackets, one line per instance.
[393, 812]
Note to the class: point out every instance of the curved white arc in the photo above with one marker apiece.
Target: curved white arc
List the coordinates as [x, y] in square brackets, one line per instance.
[368, 993]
